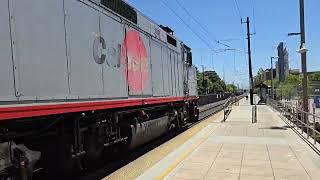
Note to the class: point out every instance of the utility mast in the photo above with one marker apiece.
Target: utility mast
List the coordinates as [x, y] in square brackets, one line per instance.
[249, 55]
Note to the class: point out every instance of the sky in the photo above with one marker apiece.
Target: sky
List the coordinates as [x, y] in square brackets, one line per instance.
[209, 21]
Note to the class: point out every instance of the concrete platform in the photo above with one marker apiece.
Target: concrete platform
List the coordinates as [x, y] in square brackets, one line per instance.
[236, 149]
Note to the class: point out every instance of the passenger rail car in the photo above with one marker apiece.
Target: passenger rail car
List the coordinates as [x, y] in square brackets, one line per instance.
[80, 76]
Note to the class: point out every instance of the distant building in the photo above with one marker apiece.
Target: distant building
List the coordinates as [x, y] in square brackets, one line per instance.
[283, 62]
[267, 74]
[294, 71]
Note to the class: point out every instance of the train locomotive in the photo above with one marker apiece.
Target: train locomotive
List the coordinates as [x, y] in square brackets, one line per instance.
[80, 76]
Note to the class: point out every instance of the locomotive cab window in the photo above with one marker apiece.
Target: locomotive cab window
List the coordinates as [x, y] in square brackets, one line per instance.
[189, 58]
[171, 41]
[188, 55]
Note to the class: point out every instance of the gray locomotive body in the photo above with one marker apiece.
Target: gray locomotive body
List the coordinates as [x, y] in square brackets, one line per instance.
[50, 50]
[87, 75]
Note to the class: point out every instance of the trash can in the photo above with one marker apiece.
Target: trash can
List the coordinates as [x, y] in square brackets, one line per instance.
[317, 101]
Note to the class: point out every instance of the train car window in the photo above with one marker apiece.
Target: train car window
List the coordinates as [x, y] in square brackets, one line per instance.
[189, 58]
[171, 41]
[122, 8]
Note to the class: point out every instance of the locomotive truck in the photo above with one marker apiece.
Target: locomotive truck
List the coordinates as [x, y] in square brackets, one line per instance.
[81, 76]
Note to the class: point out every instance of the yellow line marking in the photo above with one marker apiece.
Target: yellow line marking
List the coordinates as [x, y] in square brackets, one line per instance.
[148, 160]
[183, 156]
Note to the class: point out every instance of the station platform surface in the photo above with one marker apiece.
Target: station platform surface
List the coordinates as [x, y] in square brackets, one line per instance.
[235, 149]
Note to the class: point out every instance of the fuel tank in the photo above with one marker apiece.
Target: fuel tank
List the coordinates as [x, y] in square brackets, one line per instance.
[146, 131]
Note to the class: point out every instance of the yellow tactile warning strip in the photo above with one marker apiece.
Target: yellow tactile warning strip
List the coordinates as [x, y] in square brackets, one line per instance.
[183, 156]
[140, 165]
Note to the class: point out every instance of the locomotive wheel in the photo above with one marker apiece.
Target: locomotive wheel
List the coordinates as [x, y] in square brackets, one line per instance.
[174, 127]
[197, 114]
[194, 113]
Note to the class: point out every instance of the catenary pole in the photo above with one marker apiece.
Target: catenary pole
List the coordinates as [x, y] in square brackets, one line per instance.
[250, 63]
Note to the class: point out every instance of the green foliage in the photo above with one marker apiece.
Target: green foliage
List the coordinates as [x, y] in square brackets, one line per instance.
[293, 80]
[259, 78]
[289, 88]
[210, 82]
[314, 77]
[268, 82]
[231, 88]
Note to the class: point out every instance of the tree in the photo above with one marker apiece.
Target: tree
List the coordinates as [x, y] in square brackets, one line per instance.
[202, 83]
[231, 88]
[291, 87]
[259, 78]
[288, 88]
[216, 88]
[210, 82]
[314, 76]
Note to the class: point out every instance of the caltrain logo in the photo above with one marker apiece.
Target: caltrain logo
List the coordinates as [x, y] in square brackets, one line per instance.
[135, 61]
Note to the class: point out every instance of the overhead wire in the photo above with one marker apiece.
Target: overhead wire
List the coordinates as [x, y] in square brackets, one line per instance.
[230, 39]
[254, 25]
[254, 17]
[238, 13]
[200, 24]
[237, 7]
[186, 24]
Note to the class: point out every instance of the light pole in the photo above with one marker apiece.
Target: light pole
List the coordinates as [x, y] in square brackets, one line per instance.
[271, 72]
[303, 51]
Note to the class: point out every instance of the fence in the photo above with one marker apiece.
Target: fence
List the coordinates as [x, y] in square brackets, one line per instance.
[304, 123]
[211, 98]
[227, 107]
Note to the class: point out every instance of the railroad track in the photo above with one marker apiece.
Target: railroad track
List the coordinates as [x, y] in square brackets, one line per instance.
[210, 109]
